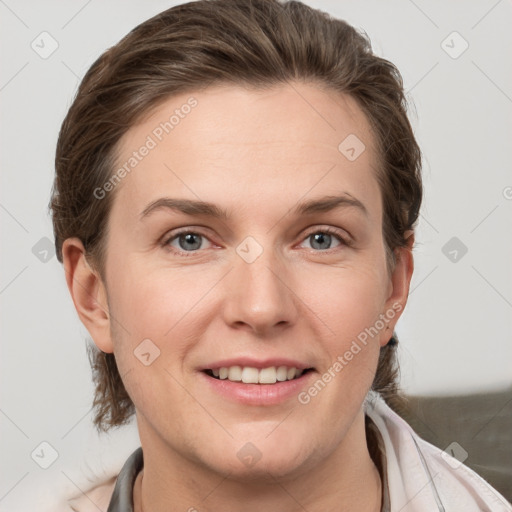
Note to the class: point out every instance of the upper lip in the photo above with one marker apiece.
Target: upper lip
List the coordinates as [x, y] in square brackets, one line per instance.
[257, 363]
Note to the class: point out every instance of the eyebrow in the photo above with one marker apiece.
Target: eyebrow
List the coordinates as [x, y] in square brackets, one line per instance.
[193, 207]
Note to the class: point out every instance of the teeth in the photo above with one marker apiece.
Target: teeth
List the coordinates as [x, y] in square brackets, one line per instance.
[290, 374]
[281, 373]
[267, 376]
[235, 373]
[249, 375]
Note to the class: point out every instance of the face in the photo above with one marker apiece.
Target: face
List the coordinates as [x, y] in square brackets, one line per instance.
[282, 275]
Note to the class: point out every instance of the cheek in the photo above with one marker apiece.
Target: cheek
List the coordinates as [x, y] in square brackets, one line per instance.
[150, 343]
[162, 313]
[347, 300]
[153, 303]
[348, 303]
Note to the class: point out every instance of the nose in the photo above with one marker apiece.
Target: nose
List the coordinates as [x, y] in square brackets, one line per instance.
[259, 295]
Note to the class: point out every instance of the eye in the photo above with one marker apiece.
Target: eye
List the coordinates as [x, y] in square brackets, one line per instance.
[322, 239]
[186, 241]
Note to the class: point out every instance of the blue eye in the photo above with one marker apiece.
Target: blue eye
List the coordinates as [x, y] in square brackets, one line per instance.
[188, 243]
[322, 239]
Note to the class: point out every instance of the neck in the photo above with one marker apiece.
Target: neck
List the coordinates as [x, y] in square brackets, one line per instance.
[347, 479]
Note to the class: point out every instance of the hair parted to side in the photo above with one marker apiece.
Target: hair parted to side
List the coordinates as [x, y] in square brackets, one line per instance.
[254, 43]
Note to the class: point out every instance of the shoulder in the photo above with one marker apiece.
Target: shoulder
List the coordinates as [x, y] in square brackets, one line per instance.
[92, 499]
[423, 477]
[458, 483]
[114, 490]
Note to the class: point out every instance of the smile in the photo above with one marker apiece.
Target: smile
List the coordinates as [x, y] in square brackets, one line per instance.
[250, 375]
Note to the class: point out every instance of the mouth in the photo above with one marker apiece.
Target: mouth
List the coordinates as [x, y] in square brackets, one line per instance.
[251, 381]
[271, 375]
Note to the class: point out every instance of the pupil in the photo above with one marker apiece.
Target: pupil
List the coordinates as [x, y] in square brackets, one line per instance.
[319, 238]
[188, 238]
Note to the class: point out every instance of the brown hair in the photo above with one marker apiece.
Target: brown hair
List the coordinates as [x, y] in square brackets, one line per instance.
[257, 43]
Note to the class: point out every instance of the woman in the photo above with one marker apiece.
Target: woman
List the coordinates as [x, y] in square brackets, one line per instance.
[236, 193]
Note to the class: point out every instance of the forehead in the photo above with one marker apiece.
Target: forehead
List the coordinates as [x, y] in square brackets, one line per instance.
[229, 141]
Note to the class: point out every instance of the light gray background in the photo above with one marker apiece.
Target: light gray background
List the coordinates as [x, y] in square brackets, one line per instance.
[456, 330]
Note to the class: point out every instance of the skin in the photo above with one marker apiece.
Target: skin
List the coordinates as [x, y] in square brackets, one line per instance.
[255, 154]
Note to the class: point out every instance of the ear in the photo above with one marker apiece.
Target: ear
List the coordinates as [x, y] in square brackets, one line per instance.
[88, 293]
[400, 281]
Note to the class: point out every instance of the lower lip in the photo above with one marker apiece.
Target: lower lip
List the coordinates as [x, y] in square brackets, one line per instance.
[258, 394]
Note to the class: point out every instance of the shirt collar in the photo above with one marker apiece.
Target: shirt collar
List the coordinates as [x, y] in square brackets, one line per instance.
[122, 497]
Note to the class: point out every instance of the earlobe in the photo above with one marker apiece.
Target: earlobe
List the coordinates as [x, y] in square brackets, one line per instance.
[399, 286]
[88, 293]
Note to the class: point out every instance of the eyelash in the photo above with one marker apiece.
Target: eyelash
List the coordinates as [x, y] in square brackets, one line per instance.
[344, 241]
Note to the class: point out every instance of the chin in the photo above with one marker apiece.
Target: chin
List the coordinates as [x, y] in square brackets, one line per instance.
[262, 461]
[263, 471]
